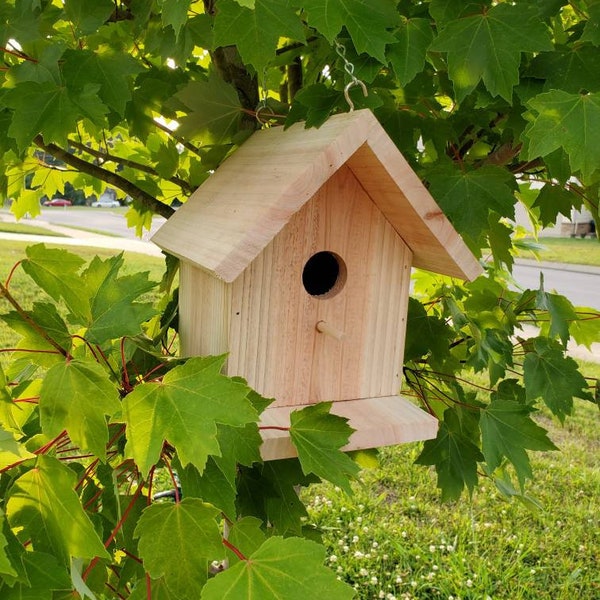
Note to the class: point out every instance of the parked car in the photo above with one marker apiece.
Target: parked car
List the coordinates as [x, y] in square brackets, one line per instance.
[105, 203]
[58, 202]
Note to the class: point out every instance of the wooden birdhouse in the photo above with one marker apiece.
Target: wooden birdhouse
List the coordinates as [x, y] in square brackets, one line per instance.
[295, 260]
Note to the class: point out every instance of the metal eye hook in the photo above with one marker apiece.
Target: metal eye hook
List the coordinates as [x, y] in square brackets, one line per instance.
[347, 91]
[262, 108]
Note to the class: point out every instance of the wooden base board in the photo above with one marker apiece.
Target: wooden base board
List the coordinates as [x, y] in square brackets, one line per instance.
[378, 422]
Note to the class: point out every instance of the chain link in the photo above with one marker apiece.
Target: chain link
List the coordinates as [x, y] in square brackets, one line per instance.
[349, 68]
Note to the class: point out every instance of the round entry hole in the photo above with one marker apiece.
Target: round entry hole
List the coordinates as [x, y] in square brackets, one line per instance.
[324, 274]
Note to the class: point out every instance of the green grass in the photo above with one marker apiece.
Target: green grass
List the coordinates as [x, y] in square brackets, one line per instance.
[7, 227]
[394, 539]
[567, 250]
[26, 292]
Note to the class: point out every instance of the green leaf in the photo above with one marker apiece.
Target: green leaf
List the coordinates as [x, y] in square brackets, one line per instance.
[560, 311]
[318, 436]
[586, 327]
[190, 532]
[48, 110]
[56, 272]
[112, 71]
[467, 197]
[549, 374]
[570, 68]
[184, 409]
[88, 17]
[11, 451]
[454, 454]
[507, 431]
[591, 31]
[256, 32]
[290, 568]
[488, 47]
[313, 104]
[568, 121]
[408, 55]
[247, 536]
[368, 22]
[42, 501]
[6, 568]
[114, 310]
[44, 575]
[47, 320]
[425, 334]
[552, 201]
[174, 13]
[77, 395]
[214, 110]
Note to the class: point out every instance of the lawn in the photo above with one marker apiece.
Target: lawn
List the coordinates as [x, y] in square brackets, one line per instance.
[394, 539]
[568, 250]
[24, 228]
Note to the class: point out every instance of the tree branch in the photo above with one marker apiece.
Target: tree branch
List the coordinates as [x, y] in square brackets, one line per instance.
[145, 199]
[105, 156]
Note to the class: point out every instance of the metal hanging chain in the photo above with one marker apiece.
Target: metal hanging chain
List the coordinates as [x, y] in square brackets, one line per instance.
[262, 105]
[349, 68]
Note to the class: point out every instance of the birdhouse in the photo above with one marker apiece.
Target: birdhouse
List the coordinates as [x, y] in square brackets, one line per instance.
[295, 260]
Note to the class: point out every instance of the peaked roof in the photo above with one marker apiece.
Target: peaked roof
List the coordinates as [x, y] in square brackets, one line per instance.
[239, 209]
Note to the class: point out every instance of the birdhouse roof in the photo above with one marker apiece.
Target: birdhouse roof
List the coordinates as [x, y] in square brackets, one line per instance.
[238, 210]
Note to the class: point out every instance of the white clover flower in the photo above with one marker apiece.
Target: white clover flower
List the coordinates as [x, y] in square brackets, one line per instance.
[469, 583]
[333, 558]
[363, 572]
[374, 580]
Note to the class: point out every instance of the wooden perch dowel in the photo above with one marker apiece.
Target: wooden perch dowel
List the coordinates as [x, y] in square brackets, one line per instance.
[326, 328]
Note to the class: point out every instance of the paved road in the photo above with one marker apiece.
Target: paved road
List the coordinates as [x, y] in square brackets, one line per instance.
[578, 283]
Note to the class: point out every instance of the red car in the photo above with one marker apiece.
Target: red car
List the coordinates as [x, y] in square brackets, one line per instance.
[58, 202]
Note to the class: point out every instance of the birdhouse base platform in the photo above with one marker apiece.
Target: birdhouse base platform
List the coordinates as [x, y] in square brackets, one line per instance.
[378, 422]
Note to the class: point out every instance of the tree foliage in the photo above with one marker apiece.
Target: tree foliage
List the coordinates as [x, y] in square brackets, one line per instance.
[494, 105]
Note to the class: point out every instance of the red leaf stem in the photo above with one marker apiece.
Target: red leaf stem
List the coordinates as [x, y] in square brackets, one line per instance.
[51, 443]
[30, 350]
[276, 427]
[7, 282]
[114, 532]
[235, 550]
[32, 400]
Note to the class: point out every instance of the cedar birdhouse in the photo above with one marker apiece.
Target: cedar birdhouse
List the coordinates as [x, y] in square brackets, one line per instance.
[295, 260]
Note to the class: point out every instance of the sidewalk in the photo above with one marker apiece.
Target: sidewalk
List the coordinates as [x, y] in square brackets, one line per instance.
[77, 237]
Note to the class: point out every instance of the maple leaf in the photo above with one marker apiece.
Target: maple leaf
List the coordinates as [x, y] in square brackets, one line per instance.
[112, 71]
[76, 395]
[290, 568]
[551, 201]
[217, 483]
[214, 110]
[568, 121]
[507, 431]
[114, 311]
[190, 530]
[585, 329]
[367, 21]
[247, 536]
[407, 57]
[454, 454]
[184, 409]
[425, 333]
[571, 69]
[318, 436]
[256, 32]
[6, 567]
[488, 47]
[56, 272]
[174, 13]
[44, 576]
[11, 451]
[560, 311]
[549, 374]
[42, 501]
[48, 110]
[87, 17]
[467, 197]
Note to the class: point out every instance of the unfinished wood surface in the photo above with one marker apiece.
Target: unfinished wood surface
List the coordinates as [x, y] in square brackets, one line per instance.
[378, 422]
[204, 309]
[274, 340]
[240, 209]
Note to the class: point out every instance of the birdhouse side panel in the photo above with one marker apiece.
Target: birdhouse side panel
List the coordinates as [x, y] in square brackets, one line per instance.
[303, 345]
[204, 308]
